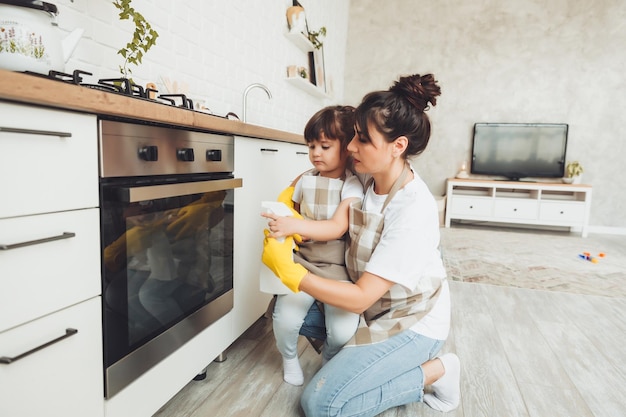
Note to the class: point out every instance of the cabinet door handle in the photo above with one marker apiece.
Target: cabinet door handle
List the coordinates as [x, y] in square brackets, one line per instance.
[301, 153]
[8, 360]
[269, 150]
[36, 132]
[64, 235]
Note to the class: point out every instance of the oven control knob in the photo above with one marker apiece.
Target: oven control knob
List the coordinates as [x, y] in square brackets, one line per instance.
[149, 153]
[185, 154]
[214, 155]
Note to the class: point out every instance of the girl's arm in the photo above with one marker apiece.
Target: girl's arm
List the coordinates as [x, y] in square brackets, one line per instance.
[322, 230]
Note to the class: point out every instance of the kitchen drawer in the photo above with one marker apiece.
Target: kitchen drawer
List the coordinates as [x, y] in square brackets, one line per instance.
[44, 277]
[566, 212]
[471, 206]
[48, 160]
[63, 379]
[516, 209]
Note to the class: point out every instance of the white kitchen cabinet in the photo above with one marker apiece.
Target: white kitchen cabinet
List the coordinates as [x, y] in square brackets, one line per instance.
[64, 378]
[59, 264]
[50, 304]
[531, 203]
[267, 167]
[48, 160]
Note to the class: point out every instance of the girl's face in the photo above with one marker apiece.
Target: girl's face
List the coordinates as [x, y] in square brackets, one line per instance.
[370, 156]
[326, 156]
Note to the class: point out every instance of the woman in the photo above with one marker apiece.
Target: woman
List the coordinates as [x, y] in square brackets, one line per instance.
[399, 287]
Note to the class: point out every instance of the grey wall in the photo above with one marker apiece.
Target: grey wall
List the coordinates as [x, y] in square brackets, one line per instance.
[516, 61]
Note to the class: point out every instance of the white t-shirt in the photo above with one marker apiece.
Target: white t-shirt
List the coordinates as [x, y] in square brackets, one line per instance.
[408, 249]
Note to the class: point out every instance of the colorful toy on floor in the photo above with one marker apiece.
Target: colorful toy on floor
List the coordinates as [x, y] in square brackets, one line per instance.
[587, 256]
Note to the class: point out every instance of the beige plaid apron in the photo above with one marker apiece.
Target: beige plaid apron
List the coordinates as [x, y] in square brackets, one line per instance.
[399, 308]
[320, 198]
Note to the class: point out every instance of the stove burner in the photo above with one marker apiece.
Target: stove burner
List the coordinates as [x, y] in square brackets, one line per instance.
[123, 86]
[102, 87]
[73, 78]
[186, 102]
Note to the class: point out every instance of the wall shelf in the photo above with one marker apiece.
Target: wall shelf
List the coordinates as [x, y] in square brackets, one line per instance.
[300, 40]
[303, 43]
[306, 85]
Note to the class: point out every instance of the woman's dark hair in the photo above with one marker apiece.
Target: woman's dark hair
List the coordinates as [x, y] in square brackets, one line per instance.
[400, 111]
[335, 122]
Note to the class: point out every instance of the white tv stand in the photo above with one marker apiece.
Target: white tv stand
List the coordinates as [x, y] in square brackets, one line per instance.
[533, 203]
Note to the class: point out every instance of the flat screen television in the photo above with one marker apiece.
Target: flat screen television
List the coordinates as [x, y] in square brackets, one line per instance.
[519, 150]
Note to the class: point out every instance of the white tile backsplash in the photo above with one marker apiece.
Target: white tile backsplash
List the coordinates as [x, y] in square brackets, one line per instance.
[216, 48]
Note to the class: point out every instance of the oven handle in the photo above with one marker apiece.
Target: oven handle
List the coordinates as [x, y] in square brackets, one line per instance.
[153, 192]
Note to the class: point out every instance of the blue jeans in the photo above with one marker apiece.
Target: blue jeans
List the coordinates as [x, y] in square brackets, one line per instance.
[290, 313]
[366, 380]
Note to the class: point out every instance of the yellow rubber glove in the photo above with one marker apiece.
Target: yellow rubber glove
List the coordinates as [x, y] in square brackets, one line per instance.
[277, 256]
[188, 221]
[286, 197]
[194, 216]
[132, 242]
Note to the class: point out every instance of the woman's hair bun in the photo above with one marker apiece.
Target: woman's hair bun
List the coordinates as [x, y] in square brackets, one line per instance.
[419, 90]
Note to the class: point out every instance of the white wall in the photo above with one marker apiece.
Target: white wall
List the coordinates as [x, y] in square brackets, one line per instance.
[216, 48]
[505, 61]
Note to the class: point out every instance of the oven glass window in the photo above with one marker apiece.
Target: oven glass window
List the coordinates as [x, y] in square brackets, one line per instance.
[163, 259]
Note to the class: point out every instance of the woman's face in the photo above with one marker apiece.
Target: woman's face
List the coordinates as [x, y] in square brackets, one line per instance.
[370, 156]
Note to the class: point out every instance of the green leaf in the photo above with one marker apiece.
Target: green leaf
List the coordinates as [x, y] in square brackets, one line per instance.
[144, 37]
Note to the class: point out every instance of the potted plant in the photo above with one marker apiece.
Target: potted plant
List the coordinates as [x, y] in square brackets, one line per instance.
[316, 37]
[144, 37]
[573, 173]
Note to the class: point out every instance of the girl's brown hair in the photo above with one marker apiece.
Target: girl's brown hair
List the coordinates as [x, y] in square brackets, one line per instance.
[335, 122]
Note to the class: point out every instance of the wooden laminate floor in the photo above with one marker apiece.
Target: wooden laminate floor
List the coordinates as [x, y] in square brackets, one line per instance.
[527, 353]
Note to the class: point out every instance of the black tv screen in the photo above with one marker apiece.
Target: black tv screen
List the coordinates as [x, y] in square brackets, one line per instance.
[519, 150]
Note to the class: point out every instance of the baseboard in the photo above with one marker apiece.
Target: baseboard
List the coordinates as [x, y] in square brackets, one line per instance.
[607, 230]
[598, 230]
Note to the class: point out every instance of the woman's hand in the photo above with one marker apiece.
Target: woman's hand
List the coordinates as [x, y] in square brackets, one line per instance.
[278, 256]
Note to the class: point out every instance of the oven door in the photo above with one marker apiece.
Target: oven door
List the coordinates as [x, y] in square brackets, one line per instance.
[167, 269]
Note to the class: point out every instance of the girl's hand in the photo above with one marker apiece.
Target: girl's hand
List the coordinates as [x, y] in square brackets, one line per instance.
[283, 226]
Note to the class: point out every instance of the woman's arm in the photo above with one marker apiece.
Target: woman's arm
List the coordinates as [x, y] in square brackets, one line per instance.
[322, 230]
[278, 256]
[355, 298]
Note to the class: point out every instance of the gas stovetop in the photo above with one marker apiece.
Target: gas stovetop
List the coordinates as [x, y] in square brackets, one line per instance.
[125, 86]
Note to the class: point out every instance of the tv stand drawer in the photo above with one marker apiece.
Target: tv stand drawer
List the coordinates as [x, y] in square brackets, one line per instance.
[516, 209]
[562, 212]
[475, 206]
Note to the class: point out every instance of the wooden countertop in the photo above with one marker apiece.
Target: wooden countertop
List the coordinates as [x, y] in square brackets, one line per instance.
[24, 88]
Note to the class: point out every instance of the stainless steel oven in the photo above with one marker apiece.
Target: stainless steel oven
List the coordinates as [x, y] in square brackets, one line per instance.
[166, 202]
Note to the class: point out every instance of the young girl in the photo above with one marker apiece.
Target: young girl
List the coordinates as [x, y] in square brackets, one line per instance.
[322, 193]
[400, 286]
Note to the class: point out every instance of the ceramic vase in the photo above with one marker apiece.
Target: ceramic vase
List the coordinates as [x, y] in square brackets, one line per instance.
[296, 19]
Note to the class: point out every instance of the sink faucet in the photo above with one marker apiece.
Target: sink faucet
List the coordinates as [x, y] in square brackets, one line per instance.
[245, 96]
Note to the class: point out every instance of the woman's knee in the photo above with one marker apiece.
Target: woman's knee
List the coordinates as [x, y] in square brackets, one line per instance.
[309, 401]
